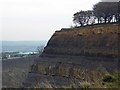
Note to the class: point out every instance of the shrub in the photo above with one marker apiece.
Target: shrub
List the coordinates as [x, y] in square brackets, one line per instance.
[108, 78]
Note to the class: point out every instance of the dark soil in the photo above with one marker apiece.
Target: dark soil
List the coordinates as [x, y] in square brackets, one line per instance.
[14, 71]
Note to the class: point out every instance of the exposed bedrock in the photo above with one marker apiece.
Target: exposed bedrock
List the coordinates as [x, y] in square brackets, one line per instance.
[77, 58]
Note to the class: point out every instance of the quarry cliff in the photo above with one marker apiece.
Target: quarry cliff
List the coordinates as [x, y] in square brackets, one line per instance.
[81, 57]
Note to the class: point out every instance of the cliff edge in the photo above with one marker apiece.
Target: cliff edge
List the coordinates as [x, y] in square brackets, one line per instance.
[98, 40]
[84, 57]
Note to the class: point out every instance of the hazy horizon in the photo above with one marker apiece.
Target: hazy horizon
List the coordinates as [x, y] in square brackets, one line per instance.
[21, 46]
[22, 40]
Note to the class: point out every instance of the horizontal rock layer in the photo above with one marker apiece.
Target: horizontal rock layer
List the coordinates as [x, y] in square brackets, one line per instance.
[102, 40]
[77, 58]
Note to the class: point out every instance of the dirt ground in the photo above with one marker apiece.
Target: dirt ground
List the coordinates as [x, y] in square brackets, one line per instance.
[14, 71]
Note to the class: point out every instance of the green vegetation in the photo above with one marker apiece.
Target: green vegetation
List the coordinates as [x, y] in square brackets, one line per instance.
[103, 12]
[108, 78]
[111, 81]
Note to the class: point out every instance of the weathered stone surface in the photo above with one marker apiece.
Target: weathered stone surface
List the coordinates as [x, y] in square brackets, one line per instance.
[78, 57]
[94, 41]
[52, 73]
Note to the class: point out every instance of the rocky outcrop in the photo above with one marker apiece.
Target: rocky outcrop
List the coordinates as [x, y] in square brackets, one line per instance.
[77, 58]
[101, 40]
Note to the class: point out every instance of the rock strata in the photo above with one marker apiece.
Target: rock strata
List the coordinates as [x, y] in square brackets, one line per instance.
[77, 58]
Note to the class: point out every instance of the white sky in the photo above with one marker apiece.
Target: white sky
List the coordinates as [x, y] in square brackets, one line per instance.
[110, 0]
[37, 19]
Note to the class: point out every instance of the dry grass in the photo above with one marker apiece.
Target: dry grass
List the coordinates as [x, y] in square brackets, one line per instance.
[94, 41]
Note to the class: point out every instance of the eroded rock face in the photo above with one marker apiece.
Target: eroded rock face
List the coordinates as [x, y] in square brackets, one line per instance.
[63, 69]
[75, 58]
[69, 71]
[88, 41]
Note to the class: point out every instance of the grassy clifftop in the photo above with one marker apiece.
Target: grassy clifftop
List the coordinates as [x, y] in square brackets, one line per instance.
[97, 40]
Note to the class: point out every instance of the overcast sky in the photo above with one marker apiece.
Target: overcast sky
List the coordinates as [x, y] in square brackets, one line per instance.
[38, 19]
[110, 0]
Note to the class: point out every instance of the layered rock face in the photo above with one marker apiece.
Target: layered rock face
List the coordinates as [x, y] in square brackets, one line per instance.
[77, 58]
[101, 40]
